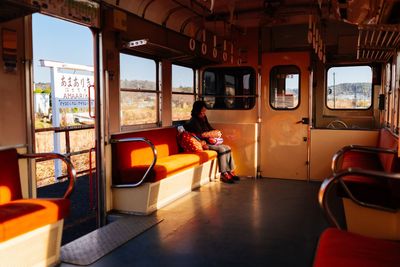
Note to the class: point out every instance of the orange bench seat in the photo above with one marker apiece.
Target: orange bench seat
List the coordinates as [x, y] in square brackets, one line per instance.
[20, 216]
[174, 173]
[131, 160]
[30, 229]
[17, 215]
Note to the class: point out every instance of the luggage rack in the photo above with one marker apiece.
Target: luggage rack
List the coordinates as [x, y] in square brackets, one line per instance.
[377, 42]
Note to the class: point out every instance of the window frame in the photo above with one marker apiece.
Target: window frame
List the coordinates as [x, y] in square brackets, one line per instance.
[220, 73]
[157, 93]
[349, 109]
[270, 86]
[193, 93]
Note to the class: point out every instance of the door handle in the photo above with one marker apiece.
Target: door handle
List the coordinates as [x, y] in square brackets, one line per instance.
[303, 121]
[93, 116]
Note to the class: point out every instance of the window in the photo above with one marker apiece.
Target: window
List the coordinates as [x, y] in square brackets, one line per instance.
[183, 93]
[349, 87]
[229, 88]
[139, 98]
[284, 87]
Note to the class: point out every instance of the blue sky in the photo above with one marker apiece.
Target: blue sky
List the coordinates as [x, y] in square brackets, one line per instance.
[60, 40]
[360, 74]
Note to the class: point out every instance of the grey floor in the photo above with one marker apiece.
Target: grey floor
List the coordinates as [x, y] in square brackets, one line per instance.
[264, 222]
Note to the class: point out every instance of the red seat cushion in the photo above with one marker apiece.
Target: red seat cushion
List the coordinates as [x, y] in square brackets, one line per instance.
[10, 185]
[362, 160]
[339, 248]
[20, 216]
[389, 141]
[374, 161]
[367, 189]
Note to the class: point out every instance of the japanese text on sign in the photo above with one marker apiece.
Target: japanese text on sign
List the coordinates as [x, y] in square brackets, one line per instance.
[73, 86]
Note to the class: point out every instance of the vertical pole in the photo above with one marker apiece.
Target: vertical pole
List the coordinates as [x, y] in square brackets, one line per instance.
[334, 91]
[30, 122]
[310, 115]
[259, 102]
[99, 129]
[355, 97]
[166, 93]
[55, 121]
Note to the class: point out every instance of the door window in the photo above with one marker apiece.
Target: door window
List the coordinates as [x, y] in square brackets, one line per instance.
[284, 87]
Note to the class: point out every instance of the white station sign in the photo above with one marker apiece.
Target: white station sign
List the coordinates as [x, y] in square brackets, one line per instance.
[72, 90]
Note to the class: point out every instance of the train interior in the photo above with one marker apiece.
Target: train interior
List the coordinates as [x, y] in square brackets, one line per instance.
[305, 93]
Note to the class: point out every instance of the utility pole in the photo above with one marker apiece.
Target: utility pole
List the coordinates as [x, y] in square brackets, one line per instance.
[334, 91]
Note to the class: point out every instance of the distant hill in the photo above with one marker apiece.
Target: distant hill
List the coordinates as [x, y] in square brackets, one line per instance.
[351, 89]
[148, 85]
[138, 84]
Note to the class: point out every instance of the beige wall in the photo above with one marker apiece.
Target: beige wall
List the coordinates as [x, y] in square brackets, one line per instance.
[12, 93]
[326, 142]
[111, 63]
[241, 137]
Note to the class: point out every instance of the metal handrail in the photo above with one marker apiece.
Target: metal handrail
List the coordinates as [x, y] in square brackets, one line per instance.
[70, 168]
[366, 149]
[65, 128]
[91, 194]
[327, 184]
[230, 96]
[89, 101]
[154, 150]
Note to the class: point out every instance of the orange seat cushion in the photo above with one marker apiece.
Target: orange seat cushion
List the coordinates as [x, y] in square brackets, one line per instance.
[173, 164]
[164, 167]
[20, 216]
[205, 155]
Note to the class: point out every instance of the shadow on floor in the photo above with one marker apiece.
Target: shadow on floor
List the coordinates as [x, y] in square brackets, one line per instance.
[82, 218]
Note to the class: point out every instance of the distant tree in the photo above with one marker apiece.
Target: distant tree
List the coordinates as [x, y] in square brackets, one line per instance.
[46, 91]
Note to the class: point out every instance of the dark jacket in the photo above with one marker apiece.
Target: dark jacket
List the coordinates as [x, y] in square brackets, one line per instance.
[198, 126]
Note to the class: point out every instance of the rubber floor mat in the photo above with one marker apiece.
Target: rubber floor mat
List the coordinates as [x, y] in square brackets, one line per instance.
[93, 246]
